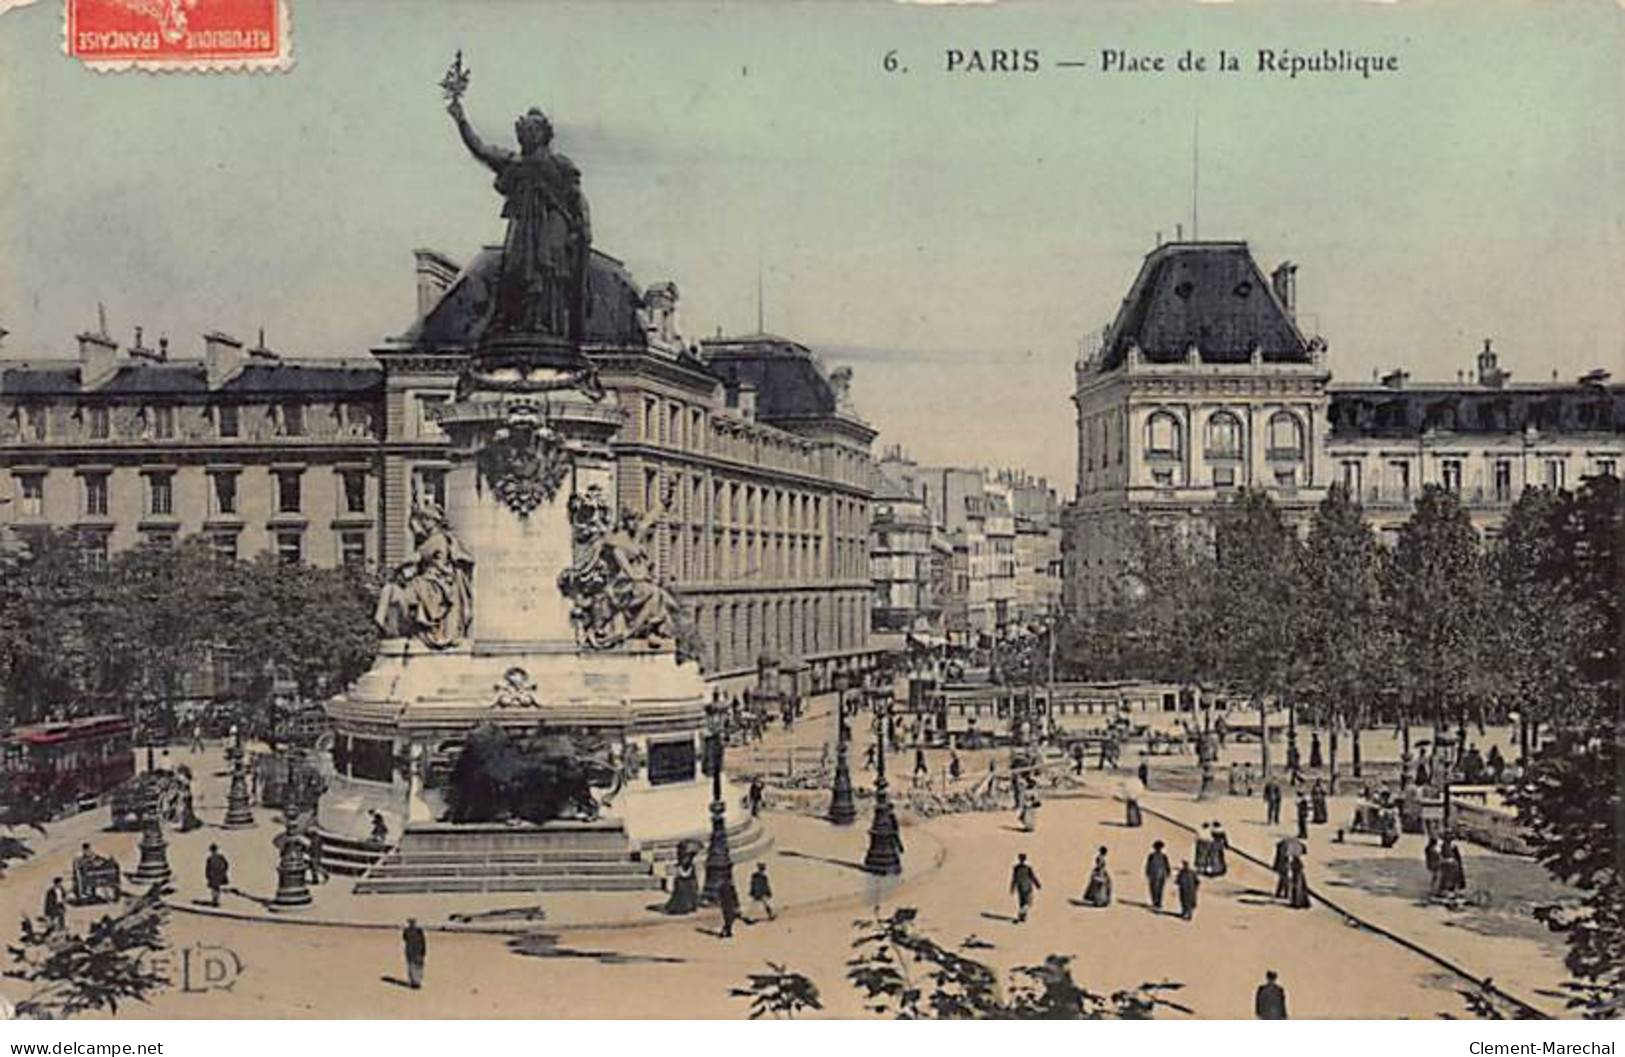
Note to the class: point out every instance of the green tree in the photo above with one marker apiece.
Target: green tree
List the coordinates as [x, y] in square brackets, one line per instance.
[72, 973]
[1256, 603]
[1437, 601]
[1344, 641]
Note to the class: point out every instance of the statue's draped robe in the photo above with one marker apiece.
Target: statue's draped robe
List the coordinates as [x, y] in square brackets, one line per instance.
[541, 287]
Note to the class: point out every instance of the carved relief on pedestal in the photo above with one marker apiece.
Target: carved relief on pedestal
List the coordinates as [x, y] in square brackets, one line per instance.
[524, 463]
[517, 690]
[610, 582]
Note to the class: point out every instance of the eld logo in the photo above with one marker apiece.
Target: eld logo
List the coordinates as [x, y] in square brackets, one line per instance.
[198, 968]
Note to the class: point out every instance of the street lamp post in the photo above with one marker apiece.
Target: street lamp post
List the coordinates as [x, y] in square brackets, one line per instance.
[885, 845]
[292, 893]
[719, 865]
[153, 868]
[843, 811]
[238, 813]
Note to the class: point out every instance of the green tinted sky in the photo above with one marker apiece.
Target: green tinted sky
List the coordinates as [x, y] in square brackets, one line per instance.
[959, 233]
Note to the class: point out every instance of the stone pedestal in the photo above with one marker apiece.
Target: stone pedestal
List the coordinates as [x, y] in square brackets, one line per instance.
[885, 844]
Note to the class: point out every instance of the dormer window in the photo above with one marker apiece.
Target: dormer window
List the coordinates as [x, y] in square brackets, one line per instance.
[293, 419]
[163, 422]
[227, 420]
[98, 422]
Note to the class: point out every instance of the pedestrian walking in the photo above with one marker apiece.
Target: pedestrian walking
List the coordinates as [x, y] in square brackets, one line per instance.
[920, 768]
[1269, 1001]
[757, 788]
[56, 906]
[1157, 871]
[1143, 772]
[1317, 803]
[1316, 762]
[1430, 856]
[1023, 882]
[1272, 802]
[1098, 893]
[1303, 817]
[380, 829]
[1282, 868]
[1216, 864]
[216, 873]
[1294, 761]
[417, 951]
[761, 890]
[1187, 882]
[728, 904]
[1297, 884]
[1131, 811]
[954, 768]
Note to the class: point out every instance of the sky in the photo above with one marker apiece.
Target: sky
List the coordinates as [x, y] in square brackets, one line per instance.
[955, 237]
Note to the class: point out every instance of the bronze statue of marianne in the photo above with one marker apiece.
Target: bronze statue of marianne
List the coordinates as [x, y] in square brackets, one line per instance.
[543, 282]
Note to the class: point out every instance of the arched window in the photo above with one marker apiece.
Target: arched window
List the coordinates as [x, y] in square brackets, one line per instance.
[1286, 436]
[1162, 435]
[1224, 436]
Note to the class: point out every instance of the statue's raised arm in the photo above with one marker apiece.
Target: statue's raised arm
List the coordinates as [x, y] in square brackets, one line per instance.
[495, 157]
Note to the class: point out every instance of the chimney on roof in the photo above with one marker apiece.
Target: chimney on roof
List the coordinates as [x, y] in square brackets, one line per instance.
[747, 400]
[222, 357]
[1489, 370]
[1396, 379]
[98, 353]
[435, 274]
[1284, 281]
[260, 352]
[163, 347]
[140, 351]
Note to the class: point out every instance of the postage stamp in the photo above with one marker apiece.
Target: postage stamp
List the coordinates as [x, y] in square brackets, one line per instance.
[177, 34]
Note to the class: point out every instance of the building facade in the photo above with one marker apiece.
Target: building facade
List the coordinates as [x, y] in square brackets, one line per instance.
[908, 558]
[1484, 437]
[748, 450]
[249, 449]
[1204, 384]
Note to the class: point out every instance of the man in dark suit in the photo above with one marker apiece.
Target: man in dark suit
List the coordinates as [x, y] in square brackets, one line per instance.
[216, 873]
[417, 950]
[1269, 1001]
[1023, 882]
[1157, 871]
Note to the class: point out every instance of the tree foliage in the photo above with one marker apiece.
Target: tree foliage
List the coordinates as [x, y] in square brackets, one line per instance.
[71, 973]
[778, 992]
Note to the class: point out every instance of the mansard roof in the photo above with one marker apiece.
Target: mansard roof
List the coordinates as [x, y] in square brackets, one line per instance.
[1378, 410]
[1208, 294]
[187, 378]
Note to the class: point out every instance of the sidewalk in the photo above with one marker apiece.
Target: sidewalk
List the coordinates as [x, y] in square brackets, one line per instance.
[811, 864]
[1385, 889]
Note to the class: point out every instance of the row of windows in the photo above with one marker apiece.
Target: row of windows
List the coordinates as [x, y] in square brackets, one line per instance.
[162, 421]
[734, 634]
[289, 545]
[1225, 436]
[1396, 483]
[224, 493]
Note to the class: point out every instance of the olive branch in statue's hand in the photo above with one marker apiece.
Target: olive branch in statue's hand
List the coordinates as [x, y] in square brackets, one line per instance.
[455, 83]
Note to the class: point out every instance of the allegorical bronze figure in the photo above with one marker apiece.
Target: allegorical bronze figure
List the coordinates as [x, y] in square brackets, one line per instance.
[543, 283]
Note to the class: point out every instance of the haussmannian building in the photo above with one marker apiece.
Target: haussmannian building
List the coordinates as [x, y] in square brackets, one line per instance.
[1204, 384]
[748, 447]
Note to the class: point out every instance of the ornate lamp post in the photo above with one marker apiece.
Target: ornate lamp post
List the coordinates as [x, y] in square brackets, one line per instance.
[885, 845]
[719, 865]
[292, 893]
[238, 813]
[154, 865]
[843, 811]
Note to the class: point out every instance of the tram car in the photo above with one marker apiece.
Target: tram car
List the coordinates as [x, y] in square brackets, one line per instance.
[72, 762]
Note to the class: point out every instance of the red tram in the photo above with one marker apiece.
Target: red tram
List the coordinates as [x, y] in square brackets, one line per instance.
[61, 763]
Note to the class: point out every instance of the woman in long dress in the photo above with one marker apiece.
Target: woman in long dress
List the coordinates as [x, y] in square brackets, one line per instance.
[1204, 850]
[1297, 885]
[685, 886]
[1216, 866]
[1099, 891]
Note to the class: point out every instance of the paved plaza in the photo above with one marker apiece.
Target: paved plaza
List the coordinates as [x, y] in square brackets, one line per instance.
[615, 955]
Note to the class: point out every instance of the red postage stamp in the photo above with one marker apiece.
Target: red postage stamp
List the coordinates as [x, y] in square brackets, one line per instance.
[178, 34]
